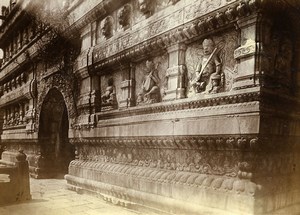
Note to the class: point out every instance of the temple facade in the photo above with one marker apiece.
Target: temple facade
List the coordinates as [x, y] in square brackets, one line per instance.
[182, 106]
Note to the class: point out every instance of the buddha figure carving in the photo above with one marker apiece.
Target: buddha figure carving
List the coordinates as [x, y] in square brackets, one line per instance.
[108, 98]
[150, 92]
[208, 72]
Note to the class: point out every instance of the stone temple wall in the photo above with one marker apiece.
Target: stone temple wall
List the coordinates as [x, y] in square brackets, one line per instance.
[188, 107]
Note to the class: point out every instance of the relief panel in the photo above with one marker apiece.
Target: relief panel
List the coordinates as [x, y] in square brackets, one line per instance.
[111, 92]
[197, 161]
[221, 60]
[150, 79]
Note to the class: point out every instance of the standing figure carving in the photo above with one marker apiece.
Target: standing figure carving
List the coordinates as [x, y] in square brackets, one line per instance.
[208, 72]
[150, 92]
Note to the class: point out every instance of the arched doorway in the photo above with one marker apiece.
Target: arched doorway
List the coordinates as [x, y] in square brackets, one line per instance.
[53, 135]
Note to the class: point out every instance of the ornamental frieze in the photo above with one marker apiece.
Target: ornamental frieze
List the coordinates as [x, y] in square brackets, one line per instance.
[188, 143]
[159, 26]
[206, 162]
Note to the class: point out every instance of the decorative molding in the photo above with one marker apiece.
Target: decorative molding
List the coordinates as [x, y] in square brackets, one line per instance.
[160, 35]
[246, 50]
[180, 142]
[183, 104]
[163, 176]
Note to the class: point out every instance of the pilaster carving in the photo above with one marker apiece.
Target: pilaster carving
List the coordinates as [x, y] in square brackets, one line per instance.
[176, 73]
[127, 88]
[246, 52]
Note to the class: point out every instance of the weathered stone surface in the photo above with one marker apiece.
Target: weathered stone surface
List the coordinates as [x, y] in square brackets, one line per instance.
[185, 106]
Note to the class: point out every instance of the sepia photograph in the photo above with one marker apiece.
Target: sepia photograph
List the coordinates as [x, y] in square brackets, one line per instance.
[149, 107]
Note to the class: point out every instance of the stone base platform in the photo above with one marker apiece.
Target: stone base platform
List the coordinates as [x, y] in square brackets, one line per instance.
[170, 191]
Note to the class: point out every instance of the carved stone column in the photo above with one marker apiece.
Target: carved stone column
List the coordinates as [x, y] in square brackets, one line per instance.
[245, 54]
[176, 73]
[94, 97]
[128, 88]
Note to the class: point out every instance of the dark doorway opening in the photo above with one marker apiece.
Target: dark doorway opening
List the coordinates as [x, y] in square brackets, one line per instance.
[53, 135]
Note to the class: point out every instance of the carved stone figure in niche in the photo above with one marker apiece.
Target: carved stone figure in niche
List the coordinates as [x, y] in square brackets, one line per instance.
[145, 7]
[150, 92]
[108, 99]
[10, 119]
[5, 120]
[208, 72]
[124, 16]
[17, 118]
[283, 58]
[107, 28]
[21, 118]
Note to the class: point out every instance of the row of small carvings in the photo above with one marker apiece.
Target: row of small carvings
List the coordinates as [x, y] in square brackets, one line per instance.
[19, 39]
[14, 83]
[14, 115]
[104, 172]
[124, 15]
[147, 7]
[215, 142]
[208, 162]
[112, 51]
[205, 143]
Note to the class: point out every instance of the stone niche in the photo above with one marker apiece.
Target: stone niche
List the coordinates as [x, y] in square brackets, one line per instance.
[111, 92]
[157, 79]
[225, 46]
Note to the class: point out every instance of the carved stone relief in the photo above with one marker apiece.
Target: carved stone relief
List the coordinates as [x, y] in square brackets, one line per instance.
[216, 75]
[124, 15]
[146, 7]
[108, 97]
[207, 162]
[14, 116]
[67, 86]
[14, 83]
[107, 28]
[282, 50]
[150, 79]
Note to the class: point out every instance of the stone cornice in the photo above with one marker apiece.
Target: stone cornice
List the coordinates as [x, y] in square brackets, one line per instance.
[235, 97]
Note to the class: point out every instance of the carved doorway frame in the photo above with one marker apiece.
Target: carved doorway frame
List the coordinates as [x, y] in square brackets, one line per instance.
[56, 150]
